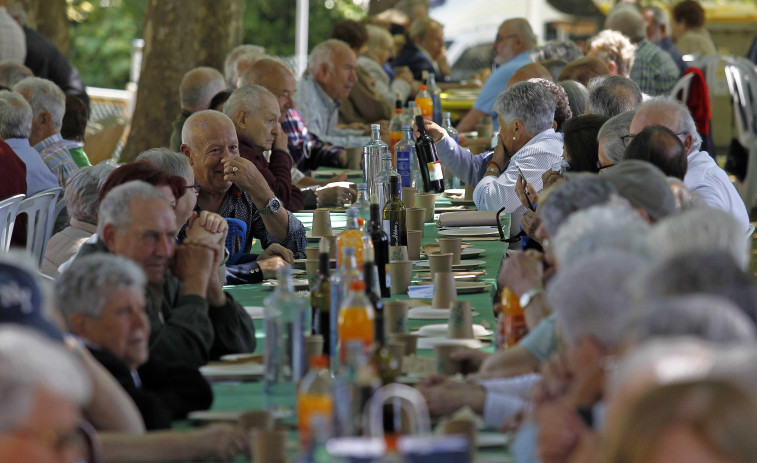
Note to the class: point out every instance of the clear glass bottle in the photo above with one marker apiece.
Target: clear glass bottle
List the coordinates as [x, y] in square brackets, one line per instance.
[383, 179]
[362, 204]
[373, 153]
[286, 323]
[436, 98]
[395, 129]
[352, 236]
[394, 215]
[407, 160]
[446, 124]
[315, 405]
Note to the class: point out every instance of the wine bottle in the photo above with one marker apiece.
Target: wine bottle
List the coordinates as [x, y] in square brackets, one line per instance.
[431, 168]
[394, 215]
[320, 298]
[380, 246]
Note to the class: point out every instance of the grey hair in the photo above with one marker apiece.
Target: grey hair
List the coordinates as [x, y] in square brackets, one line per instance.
[579, 192]
[263, 68]
[610, 217]
[249, 97]
[613, 95]
[577, 94]
[15, 116]
[83, 191]
[324, 52]
[44, 96]
[706, 272]
[229, 65]
[199, 86]
[659, 16]
[243, 63]
[630, 239]
[612, 130]
[704, 316]
[378, 38]
[627, 20]
[30, 362]
[420, 27]
[114, 208]
[89, 282]
[168, 160]
[679, 121]
[701, 228]
[614, 46]
[12, 72]
[589, 300]
[562, 106]
[528, 102]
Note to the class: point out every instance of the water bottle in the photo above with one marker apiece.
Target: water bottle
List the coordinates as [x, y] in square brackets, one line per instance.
[339, 284]
[407, 160]
[315, 406]
[383, 179]
[373, 153]
[363, 205]
[454, 182]
[286, 323]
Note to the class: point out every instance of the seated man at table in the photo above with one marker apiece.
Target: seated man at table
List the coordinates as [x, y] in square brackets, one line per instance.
[255, 113]
[197, 88]
[102, 297]
[425, 50]
[233, 187]
[192, 320]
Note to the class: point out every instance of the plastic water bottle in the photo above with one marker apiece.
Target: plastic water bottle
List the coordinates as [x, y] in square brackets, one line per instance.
[454, 182]
[363, 205]
[407, 160]
[373, 153]
[286, 323]
[315, 406]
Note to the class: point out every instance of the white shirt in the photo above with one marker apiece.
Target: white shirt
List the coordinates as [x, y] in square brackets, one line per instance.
[506, 397]
[711, 182]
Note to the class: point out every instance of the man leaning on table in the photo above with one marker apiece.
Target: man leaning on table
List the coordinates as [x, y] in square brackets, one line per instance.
[192, 319]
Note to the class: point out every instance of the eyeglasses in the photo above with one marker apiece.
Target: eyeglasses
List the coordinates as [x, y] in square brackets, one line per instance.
[628, 138]
[195, 188]
[601, 166]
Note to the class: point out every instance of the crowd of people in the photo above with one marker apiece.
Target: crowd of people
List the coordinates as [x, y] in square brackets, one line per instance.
[633, 273]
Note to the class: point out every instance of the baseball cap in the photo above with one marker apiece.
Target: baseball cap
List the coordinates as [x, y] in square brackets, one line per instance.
[21, 301]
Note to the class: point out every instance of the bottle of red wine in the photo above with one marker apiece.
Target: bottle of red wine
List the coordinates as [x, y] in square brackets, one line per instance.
[431, 168]
[320, 298]
[380, 245]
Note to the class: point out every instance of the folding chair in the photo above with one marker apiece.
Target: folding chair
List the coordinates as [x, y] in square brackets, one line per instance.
[8, 210]
[40, 210]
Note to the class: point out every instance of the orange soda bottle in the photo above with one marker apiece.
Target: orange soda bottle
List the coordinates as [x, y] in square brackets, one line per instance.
[356, 328]
[511, 321]
[395, 131]
[425, 103]
[315, 405]
[353, 236]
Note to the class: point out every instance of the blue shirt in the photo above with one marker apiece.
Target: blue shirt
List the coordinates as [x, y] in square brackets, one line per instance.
[497, 83]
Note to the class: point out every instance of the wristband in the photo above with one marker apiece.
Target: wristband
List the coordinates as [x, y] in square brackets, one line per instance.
[499, 169]
[492, 171]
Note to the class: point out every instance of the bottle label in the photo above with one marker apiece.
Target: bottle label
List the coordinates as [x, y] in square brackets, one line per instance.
[403, 168]
[435, 171]
[392, 228]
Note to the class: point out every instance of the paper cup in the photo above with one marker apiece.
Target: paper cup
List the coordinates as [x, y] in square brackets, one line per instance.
[268, 446]
[354, 158]
[465, 428]
[445, 293]
[398, 253]
[321, 223]
[440, 262]
[415, 217]
[256, 419]
[414, 238]
[451, 245]
[400, 272]
[444, 364]
[408, 196]
[311, 266]
[312, 252]
[460, 323]
[410, 341]
[426, 201]
[395, 317]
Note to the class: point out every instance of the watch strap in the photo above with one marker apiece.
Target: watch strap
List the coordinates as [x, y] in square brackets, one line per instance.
[528, 297]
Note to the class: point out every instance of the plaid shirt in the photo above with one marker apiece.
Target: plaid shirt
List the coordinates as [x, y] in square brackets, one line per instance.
[653, 69]
[303, 144]
[53, 151]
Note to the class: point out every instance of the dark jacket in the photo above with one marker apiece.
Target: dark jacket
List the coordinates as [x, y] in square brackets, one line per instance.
[413, 58]
[46, 61]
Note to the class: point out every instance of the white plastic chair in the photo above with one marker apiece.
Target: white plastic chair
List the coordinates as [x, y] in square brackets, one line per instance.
[742, 84]
[40, 210]
[8, 210]
[683, 84]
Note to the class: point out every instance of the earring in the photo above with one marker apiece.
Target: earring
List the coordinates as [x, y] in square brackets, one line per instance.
[514, 138]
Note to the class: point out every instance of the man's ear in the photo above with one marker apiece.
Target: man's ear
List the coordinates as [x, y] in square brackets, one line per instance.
[240, 118]
[184, 148]
[44, 118]
[109, 235]
[613, 68]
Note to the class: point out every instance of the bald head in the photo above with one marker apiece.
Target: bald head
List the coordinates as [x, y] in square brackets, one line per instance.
[208, 139]
[198, 87]
[669, 113]
[529, 71]
[629, 21]
[203, 123]
[277, 78]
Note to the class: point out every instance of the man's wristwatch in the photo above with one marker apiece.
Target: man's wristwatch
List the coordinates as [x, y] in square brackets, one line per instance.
[272, 207]
[529, 296]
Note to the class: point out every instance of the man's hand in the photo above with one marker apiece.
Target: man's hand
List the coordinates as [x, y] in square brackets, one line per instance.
[207, 224]
[336, 178]
[530, 222]
[334, 196]
[193, 264]
[448, 397]
[270, 266]
[559, 432]
[218, 441]
[276, 249]
[403, 73]
[551, 177]
[433, 130]
[521, 272]
[281, 141]
[245, 175]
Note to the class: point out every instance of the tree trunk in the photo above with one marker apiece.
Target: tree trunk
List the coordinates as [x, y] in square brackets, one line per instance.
[49, 18]
[179, 35]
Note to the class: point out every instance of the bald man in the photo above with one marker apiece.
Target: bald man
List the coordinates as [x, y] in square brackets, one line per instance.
[197, 88]
[529, 71]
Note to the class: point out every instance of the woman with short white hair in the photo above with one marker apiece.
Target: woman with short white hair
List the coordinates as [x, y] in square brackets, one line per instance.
[380, 47]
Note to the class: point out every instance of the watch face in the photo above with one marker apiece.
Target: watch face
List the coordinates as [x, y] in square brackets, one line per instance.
[274, 204]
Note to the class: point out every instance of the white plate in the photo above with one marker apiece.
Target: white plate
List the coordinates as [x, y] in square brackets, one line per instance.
[454, 192]
[471, 287]
[232, 371]
[230, 415]
[431, 313]
[255, 312]
[461, 202]
[492, 439]
[299, 284]
[470, 231]
[440, 329]
[459, 276]
[469, 264]
[471, 253]
[429, 343]
[241, 358]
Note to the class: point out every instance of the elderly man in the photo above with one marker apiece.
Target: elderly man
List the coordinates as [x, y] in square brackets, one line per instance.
[229, 64]
[513, 45]
[233, 187]
[332, 73]
[425, 50]
[612, 95]
[658, 25]
[255, 113]
[48, 105]
[660, 147]
[12, 72]
[192, 319]
[197, 88]
[703, 175]
[653, 69]
[102, 297]
[15, 128]
[611, 147]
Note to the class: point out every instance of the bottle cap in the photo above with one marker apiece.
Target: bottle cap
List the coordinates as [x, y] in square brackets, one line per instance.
[397, 104]
[374, 198]
[446, 114]
[360, 221]
[375, 126]
[319, 361]
[324, 246]
[423, 87]
[362, 186]
[357, 285]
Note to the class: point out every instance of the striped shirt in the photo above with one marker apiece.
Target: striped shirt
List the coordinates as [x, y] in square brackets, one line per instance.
[303, 144]
[57, 158]
[653, 69]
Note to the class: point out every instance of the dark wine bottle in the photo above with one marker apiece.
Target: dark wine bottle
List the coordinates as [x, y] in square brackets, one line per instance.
[431, 168]
[394, 215]
[320, 298]
[380, 246]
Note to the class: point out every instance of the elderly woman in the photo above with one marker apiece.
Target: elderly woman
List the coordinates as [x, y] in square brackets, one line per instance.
[527, 140]
[82, 200]
[379, 49]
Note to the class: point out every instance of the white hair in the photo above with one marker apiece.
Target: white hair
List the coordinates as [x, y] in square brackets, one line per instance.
[612, 95]
[15, 116]
[614, 46]
[168, 160]
[83, 191]
[701, 228]
[12, 72]
[324, 52]
[378, 38]
[680, 119]
[529, 102]
[30, 362]
[88, 283]
[611, 131]
[229, 65]
[659, 16]
[630, 238]
[199, 86]
[115, 207]
[249, 98]
[44, 96]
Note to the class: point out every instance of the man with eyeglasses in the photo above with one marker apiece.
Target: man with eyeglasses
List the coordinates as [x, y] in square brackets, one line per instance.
[703, 175]
[513, 44]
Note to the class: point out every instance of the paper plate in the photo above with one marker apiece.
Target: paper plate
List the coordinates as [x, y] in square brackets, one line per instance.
[440, 330]
[434, 247]
[470, 231]
[471, 287]
[429, 343]
[242, 358]
[255, 312]
[230, 416]
[459, 276]
[299, 284]
[232, 371]
[430, 313]
[458, 208]
[453, 192]
[469, 264]
[472, 253]
[492, 439]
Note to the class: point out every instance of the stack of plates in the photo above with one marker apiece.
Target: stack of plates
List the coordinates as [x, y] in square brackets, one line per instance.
[299, 284]
[426, 312]
[462, 266]
[440, 330]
